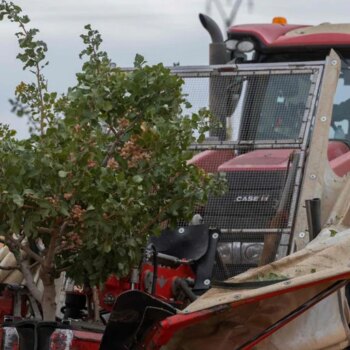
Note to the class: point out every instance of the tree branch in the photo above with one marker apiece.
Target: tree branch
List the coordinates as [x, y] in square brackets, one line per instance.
[9, 268]
[44, 230]
[30, 253]
[156, 218]
[9, 241]
[28, 276]
[118, 135]
[51, 250]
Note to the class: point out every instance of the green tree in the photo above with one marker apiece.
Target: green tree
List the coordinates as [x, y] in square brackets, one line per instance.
[106, 165]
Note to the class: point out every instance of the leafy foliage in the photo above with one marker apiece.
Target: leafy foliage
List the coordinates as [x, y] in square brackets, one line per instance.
[108, 167]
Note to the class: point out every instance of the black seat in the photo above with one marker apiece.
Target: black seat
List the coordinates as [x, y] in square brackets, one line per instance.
[195, 243]
[190, 242]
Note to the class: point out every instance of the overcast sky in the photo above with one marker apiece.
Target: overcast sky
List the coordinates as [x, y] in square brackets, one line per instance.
[165, 31]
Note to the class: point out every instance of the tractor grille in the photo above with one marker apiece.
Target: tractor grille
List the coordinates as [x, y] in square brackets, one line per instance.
[251, 201]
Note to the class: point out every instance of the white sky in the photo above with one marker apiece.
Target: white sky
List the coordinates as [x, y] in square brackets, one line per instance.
[165, 31]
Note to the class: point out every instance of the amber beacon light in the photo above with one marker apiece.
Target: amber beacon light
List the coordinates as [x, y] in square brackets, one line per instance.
[279, 20]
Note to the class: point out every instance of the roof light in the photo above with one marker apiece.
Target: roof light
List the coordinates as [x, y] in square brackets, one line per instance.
[231, 44]
[245, 46]
[279, 20]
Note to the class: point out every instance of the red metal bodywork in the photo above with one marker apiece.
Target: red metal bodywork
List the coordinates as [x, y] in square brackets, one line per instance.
[339, 157]
[165, 330]
[260, 160]
[273, 36]
[210, 160]
[9, 339]
[268, 160]
[64, 339]
[166, 278]
[111, 289]
[6, 304]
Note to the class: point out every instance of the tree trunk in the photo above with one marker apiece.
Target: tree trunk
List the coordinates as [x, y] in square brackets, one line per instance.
[96, 302]
[48, 302]
[28, 276]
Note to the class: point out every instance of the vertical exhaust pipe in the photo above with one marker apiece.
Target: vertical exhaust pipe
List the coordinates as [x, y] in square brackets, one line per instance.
[217, 48]
[217, 90]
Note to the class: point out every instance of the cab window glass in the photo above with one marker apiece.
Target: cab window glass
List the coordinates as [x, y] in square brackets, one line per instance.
[339, 129]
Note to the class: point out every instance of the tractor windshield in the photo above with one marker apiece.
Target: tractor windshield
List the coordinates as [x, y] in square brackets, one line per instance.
[340, 126]
[264, 107]
[278, 112]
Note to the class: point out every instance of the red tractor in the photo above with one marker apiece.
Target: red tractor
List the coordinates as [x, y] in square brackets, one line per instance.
[266, 266]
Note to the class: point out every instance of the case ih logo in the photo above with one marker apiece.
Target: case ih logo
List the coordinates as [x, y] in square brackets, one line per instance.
[252, 198]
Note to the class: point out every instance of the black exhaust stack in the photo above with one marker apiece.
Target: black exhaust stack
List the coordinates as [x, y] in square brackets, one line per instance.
[217, 48]
[217, 90]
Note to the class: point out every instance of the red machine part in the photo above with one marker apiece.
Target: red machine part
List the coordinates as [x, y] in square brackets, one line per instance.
[9, 339]
[6, 304]
[65, 339]
[165, 279]
[339, 157]
[265, 33]
[162, 333]
[260, 160]
[111, 289]
[267, 160]
[274, 35]
[210, 160]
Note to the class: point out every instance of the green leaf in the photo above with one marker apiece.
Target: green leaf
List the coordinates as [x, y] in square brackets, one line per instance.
[62, 174]
[333, 233]
[64, 209]
[137, 179]
[107, 247]
[107, 106]
[139, 61]
[18, 200]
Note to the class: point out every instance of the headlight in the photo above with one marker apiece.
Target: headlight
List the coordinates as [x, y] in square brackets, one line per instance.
[251, 252]
[245, 46]
[231, 44]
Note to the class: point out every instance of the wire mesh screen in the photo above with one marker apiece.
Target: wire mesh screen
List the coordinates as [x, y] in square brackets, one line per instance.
[263, 122]
[255, 106]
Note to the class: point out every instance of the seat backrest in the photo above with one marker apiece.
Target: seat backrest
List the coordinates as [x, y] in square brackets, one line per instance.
[189, 242]
[196, 243]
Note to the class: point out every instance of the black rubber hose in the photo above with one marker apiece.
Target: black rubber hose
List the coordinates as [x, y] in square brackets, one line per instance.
[186, 289]
[155, 269]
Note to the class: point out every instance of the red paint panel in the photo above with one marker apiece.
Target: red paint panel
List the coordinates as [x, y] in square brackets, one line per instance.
[321, 39]
[86, 340]
[336, 149]
[273, 35]
[9, 339]
[166, 328]
[166, 278]
[266, 33]
[341, 165]
[61, 339]
[260, 160]
[67, 339]
[210, 160]
[111, 289]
